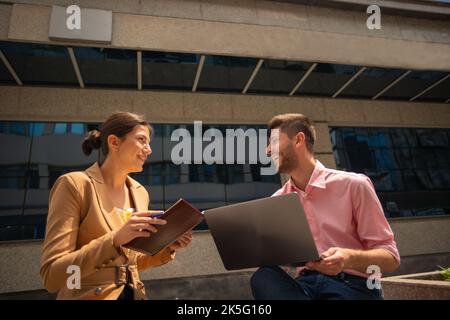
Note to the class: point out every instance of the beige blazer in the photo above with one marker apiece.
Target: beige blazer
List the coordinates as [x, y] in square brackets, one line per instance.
[81, 218]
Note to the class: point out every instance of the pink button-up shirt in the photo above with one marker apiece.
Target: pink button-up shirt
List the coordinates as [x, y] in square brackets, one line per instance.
[343, 211]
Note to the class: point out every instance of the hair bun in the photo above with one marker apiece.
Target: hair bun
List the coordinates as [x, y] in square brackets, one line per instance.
[91, 142]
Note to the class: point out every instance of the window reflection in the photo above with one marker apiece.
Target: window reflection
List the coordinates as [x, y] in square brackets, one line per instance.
[40, 152]
[105, 67]
[222, 73]
[416, 82]
[371, 82]
[5, 75]
[438, 94]
[278, 76]
[56, 150]
[410, 168]
[162, 70]
[326, 79]
[40, 64]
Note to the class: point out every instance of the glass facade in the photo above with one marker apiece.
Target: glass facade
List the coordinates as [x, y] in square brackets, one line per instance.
[5, 75]
[327, 79]
[438, 93]
[371, 82]
[104, 67]
[416, 82]
[39, 64]
[410, 168]
[278, 76]
[162, 70]
[226, 74]
[39, 152]
[50, 65]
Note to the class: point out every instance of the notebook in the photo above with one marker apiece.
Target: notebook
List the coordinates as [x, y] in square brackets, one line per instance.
[181, 218]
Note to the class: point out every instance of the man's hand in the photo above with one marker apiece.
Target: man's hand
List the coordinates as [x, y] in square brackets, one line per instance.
[333, 262]
[182, 241]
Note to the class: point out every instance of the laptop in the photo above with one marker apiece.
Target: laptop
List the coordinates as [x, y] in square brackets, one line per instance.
[264, 232]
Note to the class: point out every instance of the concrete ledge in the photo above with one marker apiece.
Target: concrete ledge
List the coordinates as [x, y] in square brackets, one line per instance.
[228, 286]
[423, 286]
[91, 105]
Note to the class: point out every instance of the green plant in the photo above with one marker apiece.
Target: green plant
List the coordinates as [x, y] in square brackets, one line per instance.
[445, 272]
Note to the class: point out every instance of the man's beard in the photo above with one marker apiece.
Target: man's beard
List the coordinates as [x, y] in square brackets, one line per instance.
[288, 160]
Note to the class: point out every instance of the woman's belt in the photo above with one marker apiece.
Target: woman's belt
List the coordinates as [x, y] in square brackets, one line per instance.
[119, 274]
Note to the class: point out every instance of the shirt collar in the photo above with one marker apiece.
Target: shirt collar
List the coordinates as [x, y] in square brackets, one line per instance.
[317, 178]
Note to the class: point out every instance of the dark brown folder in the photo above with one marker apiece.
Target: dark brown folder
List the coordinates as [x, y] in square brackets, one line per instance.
[181, 217]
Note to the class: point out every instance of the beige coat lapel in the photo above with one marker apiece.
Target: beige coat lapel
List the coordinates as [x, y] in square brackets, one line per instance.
[138, 201]
[107, 208]
[139, 207]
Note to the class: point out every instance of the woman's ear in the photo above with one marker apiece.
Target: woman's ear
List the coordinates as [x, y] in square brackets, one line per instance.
[113, 142]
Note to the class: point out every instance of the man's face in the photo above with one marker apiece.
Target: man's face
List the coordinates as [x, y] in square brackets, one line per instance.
[282, 150]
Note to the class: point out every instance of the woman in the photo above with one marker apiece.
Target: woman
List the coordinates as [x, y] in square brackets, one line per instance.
[87, 224]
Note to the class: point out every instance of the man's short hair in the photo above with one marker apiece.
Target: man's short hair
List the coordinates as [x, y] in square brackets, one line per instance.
[293, 123]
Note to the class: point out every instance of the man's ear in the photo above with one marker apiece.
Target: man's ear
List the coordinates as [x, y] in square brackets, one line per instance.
[300, 139]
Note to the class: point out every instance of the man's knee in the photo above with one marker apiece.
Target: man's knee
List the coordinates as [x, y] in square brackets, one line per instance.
[258, 282]
[262, 277]
[274, 283]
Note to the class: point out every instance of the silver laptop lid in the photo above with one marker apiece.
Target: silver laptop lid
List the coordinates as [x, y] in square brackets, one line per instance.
[264, 232]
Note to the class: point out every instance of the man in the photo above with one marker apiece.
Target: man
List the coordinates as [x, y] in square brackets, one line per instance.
[346, 220]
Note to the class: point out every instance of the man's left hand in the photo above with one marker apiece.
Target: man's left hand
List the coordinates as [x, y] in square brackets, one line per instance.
[182, 241]
[334, 261]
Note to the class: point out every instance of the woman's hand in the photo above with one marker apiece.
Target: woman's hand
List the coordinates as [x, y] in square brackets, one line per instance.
[182, 241]
[139, 225]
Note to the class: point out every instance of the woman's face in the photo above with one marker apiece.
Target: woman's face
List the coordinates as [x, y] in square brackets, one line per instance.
[134, 149]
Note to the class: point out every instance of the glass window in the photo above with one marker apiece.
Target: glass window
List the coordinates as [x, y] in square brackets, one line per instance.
[40, 152]
[371, 82]
[412, 84]
[213, 185]
[432, 138]
[162, 70]
[104, 67]
[278, 76]
[55, 151]
[12, 193]
[79, 128]
[410, 168]
[15, 140]
[205, 186]
[326, 79]
[439, 93]
[60, 128]
[5, 75]
[222, 73]
[40, 64]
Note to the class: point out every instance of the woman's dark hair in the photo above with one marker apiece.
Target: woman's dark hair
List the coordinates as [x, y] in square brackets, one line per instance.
[118, 124]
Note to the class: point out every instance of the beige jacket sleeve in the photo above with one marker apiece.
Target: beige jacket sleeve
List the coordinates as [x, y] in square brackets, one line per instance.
[146, 261]
[60, 245]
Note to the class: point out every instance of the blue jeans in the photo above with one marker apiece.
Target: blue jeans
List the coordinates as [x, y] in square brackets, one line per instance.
[272, 283]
